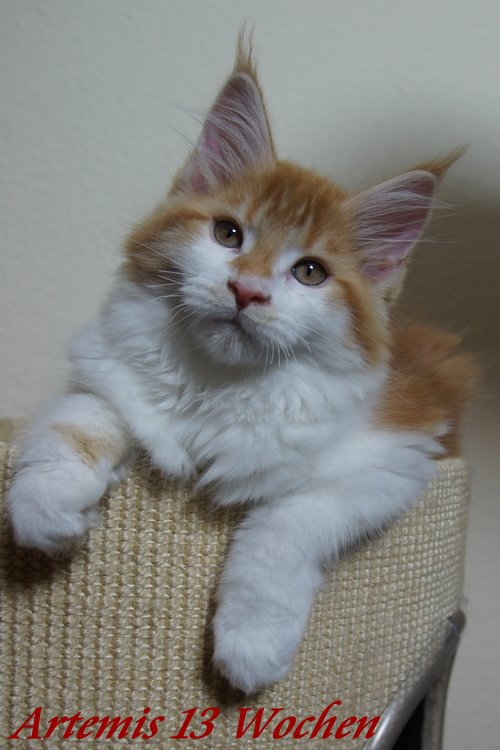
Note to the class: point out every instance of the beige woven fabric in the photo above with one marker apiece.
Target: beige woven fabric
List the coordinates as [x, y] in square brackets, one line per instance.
[122, 625]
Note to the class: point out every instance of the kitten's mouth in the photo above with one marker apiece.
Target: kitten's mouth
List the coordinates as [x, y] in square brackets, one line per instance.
[233, 320]
[232, 338]
[234, 325]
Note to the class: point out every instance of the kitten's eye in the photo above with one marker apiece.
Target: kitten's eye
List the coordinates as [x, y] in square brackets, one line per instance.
[228, 233]
[309, 272]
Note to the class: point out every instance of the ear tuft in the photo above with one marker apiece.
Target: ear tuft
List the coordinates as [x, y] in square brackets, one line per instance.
[441, 164]
[243, 62]
[235, 135]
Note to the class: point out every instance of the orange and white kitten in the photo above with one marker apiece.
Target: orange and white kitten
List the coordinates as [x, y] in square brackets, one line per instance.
[247, 343]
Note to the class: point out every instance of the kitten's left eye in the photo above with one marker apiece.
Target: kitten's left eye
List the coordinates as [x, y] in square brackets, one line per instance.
[228, 233]
[309, 272]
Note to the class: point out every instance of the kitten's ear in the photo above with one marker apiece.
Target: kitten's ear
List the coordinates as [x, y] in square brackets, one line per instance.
[235, 135]
[388, 219]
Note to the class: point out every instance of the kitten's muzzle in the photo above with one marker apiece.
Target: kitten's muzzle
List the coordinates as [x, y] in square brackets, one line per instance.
[246, 295]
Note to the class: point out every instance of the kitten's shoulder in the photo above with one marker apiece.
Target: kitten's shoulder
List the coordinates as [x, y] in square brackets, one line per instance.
[428, 384]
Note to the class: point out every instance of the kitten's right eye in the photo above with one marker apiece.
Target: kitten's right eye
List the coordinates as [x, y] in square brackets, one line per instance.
[228, 233]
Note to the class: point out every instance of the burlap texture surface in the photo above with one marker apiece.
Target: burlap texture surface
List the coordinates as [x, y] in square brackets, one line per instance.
[123, 624]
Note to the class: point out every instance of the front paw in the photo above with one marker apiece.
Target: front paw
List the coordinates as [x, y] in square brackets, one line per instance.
[52, 507]
[252, 652]
[172, 459]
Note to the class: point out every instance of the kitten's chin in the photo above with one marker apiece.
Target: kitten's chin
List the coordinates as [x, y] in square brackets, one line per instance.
[228, 343]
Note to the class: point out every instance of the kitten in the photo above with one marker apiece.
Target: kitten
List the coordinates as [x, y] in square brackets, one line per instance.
[247, 343]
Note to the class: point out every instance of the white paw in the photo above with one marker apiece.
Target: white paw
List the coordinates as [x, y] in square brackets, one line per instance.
[119, 473]
[51, 505]
[172, 458]
[253, 652]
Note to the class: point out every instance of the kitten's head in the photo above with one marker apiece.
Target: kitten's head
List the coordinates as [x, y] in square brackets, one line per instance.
[262, 261]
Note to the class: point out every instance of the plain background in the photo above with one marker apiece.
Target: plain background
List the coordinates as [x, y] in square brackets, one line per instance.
[99, 103]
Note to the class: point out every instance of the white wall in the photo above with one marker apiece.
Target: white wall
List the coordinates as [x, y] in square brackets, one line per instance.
[97, 102]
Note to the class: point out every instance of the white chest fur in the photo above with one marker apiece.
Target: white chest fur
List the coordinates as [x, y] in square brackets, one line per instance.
[250, 434]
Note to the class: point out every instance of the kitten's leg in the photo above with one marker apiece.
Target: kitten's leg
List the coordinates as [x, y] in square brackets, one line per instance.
[277, 558]
[264, 597]
[70, 455]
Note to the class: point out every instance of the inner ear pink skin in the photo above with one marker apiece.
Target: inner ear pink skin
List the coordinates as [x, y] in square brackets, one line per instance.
[245, 296]
[235, 137]
[388, 220]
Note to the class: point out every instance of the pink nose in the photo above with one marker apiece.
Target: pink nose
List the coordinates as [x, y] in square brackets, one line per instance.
[245, 296]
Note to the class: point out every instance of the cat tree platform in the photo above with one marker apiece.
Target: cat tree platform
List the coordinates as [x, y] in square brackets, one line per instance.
[123, 625]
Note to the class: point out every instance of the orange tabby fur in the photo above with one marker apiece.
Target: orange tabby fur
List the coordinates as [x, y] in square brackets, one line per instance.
[428, 383]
